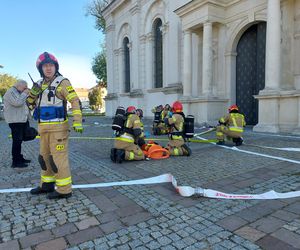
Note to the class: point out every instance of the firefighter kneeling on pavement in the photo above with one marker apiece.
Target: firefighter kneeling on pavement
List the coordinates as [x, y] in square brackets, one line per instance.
[232, 126]
[124, 147]
[176, 144]
[48, 97]
[140, 140]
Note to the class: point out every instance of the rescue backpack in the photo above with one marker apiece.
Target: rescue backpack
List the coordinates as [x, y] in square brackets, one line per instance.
[119, 119]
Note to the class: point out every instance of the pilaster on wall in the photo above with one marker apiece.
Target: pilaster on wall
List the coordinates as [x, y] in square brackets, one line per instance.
[135, 43]
[268, 121]
[297, 130]
[207, 69]
[269, 97]
[149, 60]
[110, 56]
[187, 63]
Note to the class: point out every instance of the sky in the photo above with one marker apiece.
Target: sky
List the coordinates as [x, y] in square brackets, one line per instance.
[30, 27]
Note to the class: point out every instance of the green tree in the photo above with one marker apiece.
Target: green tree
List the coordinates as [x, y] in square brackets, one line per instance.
[95, 98]
[95, 9]
[6, 81]
[99, 67]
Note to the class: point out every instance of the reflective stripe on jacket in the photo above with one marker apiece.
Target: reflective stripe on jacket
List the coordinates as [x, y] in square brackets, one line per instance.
[235, 122]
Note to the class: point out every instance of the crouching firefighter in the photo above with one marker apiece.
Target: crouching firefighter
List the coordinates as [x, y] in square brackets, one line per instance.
[140, 140]
[176, 144]
[124, 146]
[49, 97]
[232, 126]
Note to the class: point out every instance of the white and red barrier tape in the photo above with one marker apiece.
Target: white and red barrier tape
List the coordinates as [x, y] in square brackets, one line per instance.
[185, 191]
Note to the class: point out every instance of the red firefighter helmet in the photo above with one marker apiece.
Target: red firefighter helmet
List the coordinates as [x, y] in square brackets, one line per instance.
[46, 58]
[233, 107]
[177, 107]
[131, 110]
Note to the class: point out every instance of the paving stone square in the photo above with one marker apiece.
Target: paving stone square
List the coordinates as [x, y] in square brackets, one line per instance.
[155, 216]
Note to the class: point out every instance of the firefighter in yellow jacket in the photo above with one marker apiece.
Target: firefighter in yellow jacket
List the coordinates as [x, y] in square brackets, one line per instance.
[176, 144]
[162, 127]
[48, 98]
[232, 126]
[125, 148]
[140, 140]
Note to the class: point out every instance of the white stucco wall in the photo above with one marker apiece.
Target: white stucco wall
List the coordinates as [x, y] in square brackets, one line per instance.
[230, 19]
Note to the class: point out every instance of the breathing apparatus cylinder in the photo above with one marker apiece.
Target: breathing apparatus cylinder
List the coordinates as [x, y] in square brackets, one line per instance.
[189, 126]
[157, 117]
[119, 119]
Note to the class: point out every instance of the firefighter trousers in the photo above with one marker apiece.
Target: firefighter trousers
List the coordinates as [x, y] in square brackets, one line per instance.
[54, 160]
[176, 148]
[132, 151]
[223, 131]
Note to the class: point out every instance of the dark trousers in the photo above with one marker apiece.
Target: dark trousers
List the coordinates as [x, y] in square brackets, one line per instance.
[17, 132]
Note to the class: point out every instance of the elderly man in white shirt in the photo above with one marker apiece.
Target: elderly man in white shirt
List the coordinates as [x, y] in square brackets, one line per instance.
[16, 114]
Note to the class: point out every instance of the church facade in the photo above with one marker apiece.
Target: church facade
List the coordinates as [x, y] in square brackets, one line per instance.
[208, 54]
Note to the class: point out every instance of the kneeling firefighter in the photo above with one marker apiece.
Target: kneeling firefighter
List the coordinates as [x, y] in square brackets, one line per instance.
[140, 140]
[162, 128]
[49, 97]
[124, 147]
[157, 119]
[232, 126]
[176, 144]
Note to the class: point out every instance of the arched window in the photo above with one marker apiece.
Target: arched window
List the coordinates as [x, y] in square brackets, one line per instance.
[158, 54]
[126, 64]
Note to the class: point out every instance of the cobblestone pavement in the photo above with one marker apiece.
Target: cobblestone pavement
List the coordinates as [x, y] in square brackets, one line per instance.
[154, 216]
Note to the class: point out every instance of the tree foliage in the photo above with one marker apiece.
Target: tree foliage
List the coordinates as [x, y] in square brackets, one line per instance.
[95, 98]
[99, 67]
[95, 9]
[6, 81]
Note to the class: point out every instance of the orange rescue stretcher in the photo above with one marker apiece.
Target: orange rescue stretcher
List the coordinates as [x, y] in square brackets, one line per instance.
[155, 151]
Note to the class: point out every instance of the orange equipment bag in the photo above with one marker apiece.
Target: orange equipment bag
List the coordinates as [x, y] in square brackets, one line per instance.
[154, 151]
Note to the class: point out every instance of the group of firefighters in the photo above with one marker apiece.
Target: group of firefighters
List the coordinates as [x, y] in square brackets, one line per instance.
[169, 120]
[48, 98]
[130, 138]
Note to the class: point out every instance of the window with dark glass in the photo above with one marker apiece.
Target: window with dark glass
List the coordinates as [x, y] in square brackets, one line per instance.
[126, 64]
[158, 54]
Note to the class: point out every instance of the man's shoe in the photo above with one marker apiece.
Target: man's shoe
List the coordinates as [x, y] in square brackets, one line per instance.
[46, 188]
[56, 195]
[25, 160]
[22, 159]
[19, 165]
[220, 143]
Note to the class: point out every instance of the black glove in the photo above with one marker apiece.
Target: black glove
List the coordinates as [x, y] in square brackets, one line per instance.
[166, 121]
[222, 123]
[141, 142]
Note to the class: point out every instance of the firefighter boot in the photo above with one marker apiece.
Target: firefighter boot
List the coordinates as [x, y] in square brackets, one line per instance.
[221, 142]
[56, 195]
[113, 154]
[46, 188]
[120, 155]
[186, 150]
[239, 141]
